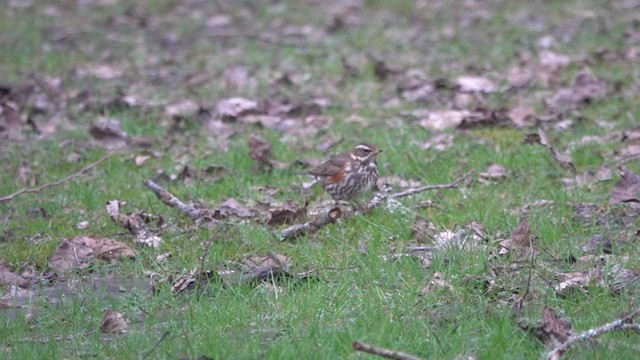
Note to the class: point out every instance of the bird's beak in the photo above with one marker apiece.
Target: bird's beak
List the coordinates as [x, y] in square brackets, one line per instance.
[378, 151]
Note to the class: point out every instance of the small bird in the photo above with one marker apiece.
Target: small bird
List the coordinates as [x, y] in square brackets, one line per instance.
[348, 175]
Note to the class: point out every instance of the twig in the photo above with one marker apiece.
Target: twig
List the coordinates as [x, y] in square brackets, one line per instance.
[620, 324]
[169, 199]
[166, 333]
[450, 185]
[297, 230]
[389, 354]
[36, 189]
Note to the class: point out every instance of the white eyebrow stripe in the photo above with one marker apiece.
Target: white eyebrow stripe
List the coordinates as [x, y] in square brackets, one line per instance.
[363, 147]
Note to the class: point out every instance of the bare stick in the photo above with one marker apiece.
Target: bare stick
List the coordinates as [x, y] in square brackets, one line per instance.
[389, 354]
[36, 189]
[169, 199]
[619, 324]
[450, 185]
[297, 230]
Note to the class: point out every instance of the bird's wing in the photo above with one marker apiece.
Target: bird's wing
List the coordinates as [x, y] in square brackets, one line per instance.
[331, 167]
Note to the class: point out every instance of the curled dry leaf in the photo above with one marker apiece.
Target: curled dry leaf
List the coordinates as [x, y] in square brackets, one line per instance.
[586, 89]
[288, 213]
[475, 84]
[12, 120]
[109, 132]
[523, 116]
[260, 152]
[81, 251]
[113, 322]
[182, 109]
[520, 239]
[233, 108]
[232, 207]
[627, 189]
[422, 229]
[578, 281]
[7, 277]
[597, 244]
[439, 142]
[437, 283]
[553, 331]
[494, 172]
[136, 223]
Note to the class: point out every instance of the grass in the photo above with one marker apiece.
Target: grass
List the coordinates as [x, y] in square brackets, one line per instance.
[359, 295]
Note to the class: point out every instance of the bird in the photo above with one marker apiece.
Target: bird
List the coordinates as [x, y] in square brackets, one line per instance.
[347, 175]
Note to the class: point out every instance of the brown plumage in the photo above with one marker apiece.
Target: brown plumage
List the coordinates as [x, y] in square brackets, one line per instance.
[347, 175]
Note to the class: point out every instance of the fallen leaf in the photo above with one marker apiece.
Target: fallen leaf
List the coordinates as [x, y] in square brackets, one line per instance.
[288, 213]
[260, 152]
[597, 244]
[521, 239]
[113, 322]
[437, 283]
[523, 116]
[7, 277]
[422, 229]
[182, 109]
[232, 108]
[553, 331]
[103, 71]
[81, 251]
[231, 207]
[494, 172]
[475, 84]
[137, 223]
[109, 132]
[627, 189]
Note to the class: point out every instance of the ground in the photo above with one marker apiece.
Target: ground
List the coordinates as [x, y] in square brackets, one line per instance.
[226, 104]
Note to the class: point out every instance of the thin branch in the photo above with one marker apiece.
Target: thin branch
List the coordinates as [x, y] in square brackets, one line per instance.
[450, 185]
[297, 230]
[169, 199]
[37, 189]
[620, 324]
[389, 354]
[166, 333]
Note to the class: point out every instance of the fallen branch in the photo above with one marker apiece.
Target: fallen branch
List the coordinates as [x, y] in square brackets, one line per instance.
[37, 189]
[169, 199]
[620, 324]
[380, 198]
[450, 185]
[297, 230]
[389, 354]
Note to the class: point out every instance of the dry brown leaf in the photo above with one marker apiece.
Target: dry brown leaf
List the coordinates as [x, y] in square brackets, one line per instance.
[81, 251]
[136, 223]
[260, 152]
[232, 207]
[422, 229]
[113, 322]
[7, 277]
[523, 116]
[182, 109]
[439, 142]
[233, 108]
[437, 283]
[494, 172]
[288, 213]
[627, 189]
[553, 331]
[103, 71]
[475, 84]
[109, 132]
[12, 120]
